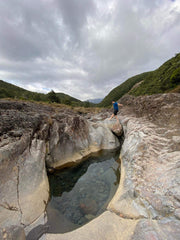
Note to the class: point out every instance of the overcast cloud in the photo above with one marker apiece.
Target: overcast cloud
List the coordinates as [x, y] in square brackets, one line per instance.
[84, 47]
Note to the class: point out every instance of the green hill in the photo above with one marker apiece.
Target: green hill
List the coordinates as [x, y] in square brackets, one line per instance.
[8, 90]
[165, 79]
[122, 89]
[67, 99]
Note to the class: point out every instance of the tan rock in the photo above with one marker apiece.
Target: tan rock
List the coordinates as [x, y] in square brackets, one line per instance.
[146, 204]
[68, 145]
[33, 188]
[107, 226]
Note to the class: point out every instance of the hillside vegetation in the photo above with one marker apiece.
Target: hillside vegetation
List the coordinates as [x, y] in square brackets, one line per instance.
[8, 90]
[165, 79]
[122, 89]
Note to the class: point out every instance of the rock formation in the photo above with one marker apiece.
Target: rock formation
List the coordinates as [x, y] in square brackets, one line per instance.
[73, 137]
[147, 203]
[32, 136]
[12, 232]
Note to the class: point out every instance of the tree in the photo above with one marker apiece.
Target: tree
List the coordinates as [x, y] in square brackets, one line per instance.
[52, 97]
[86, 104]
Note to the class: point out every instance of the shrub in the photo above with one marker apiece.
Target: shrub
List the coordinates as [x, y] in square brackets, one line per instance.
[175, 77]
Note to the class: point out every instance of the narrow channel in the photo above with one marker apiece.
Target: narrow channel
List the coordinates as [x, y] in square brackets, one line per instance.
[81, 193]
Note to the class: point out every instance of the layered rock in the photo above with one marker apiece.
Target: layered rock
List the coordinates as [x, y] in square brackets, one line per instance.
[32, 136]
[24, 184]
[146, 204]
[150, 172]
[22, 167]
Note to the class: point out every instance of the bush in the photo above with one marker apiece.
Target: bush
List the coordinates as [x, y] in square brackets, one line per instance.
[52, 97]
[175, 77]
[5, 94]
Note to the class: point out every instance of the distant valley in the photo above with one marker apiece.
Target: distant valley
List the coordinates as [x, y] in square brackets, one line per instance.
[95, 100]
[162, 80]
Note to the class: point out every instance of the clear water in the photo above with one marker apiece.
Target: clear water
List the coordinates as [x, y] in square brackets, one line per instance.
[81, 193]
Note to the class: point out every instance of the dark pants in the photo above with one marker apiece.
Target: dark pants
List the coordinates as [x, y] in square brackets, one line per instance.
[115, 112]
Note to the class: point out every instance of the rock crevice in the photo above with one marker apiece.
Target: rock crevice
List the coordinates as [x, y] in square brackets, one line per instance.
[18, 197]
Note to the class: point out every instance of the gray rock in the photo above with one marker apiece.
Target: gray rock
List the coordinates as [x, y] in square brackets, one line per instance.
[72, 138]
[30, 134]
[177, 213]
[157, 230]
[17, 133]
[146, 204]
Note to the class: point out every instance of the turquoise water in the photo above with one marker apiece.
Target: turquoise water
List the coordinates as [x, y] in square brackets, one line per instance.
[81, 193]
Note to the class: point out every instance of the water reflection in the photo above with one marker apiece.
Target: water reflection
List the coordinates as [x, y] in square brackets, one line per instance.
[81, 193]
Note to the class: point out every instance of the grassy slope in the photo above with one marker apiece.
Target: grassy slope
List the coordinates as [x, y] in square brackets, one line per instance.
[122, 89]
[164, 79]
[12, 91]
[64, 96]
[8, 90]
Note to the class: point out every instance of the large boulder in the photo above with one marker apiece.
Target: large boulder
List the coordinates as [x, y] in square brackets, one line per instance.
[72, 138]
[24, 185]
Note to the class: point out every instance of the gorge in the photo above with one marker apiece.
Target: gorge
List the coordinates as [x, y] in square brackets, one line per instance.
[36, 137]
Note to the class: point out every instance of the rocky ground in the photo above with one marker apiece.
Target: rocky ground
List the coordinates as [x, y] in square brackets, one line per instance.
[147, 202]
[33, 137]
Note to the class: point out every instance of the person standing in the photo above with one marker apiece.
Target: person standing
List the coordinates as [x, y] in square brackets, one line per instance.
[116, 109]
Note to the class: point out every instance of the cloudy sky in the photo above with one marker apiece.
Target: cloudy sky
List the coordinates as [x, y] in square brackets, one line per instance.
[84, 47]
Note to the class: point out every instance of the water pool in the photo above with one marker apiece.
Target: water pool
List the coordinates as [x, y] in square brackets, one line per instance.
[81, 193]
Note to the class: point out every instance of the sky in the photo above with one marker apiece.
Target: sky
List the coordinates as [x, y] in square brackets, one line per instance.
[84, 48]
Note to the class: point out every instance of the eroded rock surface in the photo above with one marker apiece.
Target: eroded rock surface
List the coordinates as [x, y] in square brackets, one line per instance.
[32, 136]
[146, 204]
[150, 173]
[73, 137]
[12, 233]
[105, 227]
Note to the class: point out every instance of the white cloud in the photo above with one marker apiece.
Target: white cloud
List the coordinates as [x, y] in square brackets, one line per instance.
[84, 48]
